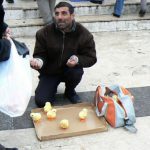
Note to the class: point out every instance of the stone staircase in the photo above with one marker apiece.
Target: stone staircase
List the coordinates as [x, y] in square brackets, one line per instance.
[24, 17]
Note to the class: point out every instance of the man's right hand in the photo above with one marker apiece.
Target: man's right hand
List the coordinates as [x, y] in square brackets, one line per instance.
[36, 63]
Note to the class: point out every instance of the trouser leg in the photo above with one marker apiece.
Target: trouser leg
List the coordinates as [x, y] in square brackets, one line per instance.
[143, 8]
[46, 90]
[72, 77]
[52, 6]
[118, 7]
[143, 5]
[45, 10]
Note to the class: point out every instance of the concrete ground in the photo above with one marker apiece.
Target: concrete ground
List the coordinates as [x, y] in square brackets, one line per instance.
[123, 58]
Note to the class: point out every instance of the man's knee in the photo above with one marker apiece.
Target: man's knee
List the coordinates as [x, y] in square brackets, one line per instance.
[43, 95]
[46, 90]
[40, 102]
[75, 73]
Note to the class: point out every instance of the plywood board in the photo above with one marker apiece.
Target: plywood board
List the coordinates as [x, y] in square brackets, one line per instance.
[50, 129]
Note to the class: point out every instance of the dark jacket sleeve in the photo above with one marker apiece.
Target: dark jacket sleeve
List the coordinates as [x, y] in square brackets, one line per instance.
[87, 53]
[40, 49]
[3, 25]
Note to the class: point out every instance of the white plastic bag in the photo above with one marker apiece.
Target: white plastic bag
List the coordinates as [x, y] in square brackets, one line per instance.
[15, 84]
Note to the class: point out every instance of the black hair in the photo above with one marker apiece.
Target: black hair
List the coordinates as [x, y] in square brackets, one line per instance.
[65, 4]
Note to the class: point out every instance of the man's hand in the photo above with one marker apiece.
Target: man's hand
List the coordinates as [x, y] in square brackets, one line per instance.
[72, 61]
[36, 63]
[7, 33]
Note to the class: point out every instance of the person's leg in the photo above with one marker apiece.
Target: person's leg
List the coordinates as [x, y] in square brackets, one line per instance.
[45, 11]
[72, 77]
[143, 4]
[52, 6]
[46, 90]
[118, 8]
[143, 8]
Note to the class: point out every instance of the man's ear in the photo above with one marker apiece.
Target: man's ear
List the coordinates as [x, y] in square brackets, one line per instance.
[72, 16]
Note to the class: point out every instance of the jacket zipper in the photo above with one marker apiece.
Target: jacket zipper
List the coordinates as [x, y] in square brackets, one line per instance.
[62, 51]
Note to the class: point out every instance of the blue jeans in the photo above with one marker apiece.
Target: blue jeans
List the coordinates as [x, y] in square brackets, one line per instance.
[118, 7]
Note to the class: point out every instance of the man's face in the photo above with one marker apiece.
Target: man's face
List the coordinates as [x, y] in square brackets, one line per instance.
[63, 18]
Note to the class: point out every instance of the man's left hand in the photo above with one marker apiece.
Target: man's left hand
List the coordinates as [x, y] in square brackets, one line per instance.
[72, 61]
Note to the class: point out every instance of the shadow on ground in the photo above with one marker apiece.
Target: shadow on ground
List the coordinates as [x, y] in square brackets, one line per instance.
[142, 105]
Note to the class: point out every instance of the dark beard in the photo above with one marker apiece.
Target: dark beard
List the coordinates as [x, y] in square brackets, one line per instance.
[67, 28]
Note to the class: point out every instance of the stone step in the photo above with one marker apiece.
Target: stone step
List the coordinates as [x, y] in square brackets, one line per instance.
[107, 8]
[96, 23]
[29, 9]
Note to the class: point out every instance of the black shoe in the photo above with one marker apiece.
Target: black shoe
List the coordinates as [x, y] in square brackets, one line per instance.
[3, 148]
[10, 1]
[97, 1]
[142, 13]
[73, 98]
[115, 15]
[11, 148]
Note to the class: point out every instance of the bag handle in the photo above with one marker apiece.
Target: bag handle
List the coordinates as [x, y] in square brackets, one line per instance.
[99, 103]
[108, 90]
[97, 95]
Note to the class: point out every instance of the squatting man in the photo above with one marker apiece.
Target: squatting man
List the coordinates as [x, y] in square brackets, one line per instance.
[62, 49]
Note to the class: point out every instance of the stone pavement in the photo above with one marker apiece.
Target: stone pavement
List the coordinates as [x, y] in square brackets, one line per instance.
[123, 58]
[114, 139]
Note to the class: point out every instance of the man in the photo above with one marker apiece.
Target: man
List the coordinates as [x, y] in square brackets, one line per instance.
[62, 49]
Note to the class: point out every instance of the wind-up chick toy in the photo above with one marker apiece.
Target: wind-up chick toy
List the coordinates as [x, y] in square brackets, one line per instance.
[51, 114]
[115, 97]
[36, 117]
[83, 114]
[64, 124]
[47, 107]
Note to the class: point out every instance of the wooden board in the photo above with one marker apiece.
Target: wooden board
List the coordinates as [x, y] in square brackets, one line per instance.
[50, 129]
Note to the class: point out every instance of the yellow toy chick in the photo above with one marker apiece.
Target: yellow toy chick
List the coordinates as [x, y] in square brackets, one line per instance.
[51, 114]
[115, 97]
[47, 107]
[36, 117]
[64, 124]
[83, 114]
